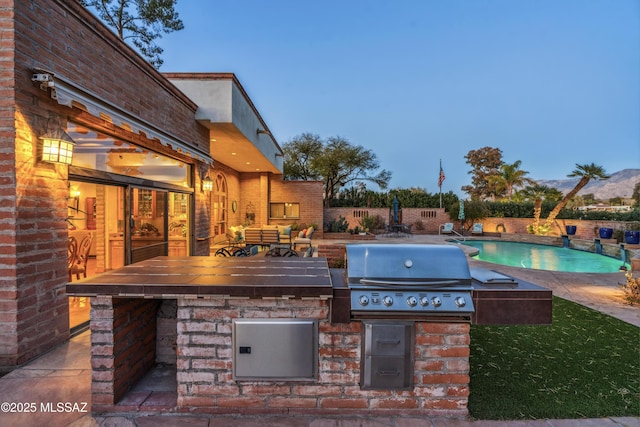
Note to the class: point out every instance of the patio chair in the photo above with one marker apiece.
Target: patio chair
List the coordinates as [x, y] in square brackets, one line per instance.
[446, 228]
[304, 238]
[79, 265]
[477, 229]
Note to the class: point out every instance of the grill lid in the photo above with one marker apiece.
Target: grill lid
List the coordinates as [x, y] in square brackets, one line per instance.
[418, 265]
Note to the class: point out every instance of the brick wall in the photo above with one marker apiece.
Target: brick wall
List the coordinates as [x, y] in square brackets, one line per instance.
[33, 205]
[204, 365]
[431, 219]
[336, 255]
[123, 346]
[308, 194]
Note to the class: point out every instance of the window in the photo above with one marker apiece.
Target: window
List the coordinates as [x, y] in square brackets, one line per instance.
[219, 206]
[284, 210]
[101, 152]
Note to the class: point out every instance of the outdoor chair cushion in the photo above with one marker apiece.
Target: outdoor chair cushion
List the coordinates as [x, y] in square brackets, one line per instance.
[304, 238]
[447, 228]
[477, 229]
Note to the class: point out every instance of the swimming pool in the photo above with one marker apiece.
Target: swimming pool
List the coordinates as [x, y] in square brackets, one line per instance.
[543, 257]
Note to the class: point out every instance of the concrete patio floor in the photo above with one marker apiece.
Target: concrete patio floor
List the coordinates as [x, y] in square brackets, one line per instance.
[63, 376]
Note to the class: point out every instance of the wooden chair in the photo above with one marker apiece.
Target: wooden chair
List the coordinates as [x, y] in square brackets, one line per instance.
[82, 255]
[72, 255]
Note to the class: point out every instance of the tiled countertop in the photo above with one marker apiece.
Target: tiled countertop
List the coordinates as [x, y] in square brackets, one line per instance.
[203, 276]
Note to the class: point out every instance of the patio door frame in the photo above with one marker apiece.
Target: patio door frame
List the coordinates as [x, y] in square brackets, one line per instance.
[129, 183]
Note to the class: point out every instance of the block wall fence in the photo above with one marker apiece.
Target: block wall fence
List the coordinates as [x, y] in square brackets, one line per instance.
[433, 218]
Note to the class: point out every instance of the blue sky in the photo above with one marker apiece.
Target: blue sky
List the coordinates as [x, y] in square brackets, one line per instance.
[550, 82]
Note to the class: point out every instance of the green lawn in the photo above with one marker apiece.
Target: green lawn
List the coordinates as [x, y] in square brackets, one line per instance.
[585, 365]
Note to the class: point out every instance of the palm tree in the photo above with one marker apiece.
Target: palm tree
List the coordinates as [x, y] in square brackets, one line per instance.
[586, 174]
[537, 193]
[512, 176]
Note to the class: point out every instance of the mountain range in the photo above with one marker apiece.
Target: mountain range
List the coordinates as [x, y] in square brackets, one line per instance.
[620, 184]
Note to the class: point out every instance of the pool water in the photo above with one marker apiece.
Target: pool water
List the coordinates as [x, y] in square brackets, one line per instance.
[543, 257]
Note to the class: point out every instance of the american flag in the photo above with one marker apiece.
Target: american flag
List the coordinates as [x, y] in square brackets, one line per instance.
[441, 177]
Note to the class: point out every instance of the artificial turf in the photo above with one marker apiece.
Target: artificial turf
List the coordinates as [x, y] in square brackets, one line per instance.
[584, 365]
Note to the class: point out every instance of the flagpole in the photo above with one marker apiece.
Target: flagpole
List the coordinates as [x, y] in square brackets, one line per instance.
[440, 180]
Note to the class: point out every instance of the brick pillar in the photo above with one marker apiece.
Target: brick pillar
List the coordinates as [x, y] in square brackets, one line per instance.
[123, 346]
[34, 309]
[335, 254]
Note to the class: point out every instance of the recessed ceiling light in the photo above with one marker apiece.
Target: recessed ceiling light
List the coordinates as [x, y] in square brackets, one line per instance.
[233, 154]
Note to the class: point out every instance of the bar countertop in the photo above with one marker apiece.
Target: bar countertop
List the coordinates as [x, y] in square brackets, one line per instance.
[204, 276]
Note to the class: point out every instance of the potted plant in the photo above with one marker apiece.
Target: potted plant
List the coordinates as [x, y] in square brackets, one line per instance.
[632, 233]
[571, 229]
[632, 237]
[605, 233]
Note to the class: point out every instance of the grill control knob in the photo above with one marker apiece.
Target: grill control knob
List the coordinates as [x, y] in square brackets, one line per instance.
[424, 301]
[412, 301]
[460, 301]
[363, 300]
[387, 300]
[436, 301]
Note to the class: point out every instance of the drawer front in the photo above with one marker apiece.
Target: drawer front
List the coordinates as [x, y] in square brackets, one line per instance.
[387, 339]
[273, 349]
[386, 373]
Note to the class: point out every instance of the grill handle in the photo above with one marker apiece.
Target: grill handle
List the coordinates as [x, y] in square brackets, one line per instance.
[388, 342]
[405, 283]
[383, 373]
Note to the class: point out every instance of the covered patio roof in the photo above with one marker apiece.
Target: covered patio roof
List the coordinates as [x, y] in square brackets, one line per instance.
[239, 136]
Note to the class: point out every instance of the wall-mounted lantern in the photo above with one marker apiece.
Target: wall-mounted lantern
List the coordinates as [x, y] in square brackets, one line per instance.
[57, 149]
[57, 146]
[207, 184]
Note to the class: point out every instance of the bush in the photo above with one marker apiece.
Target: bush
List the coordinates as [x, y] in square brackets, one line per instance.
[339, 225]
[631, 289]
[367, 223]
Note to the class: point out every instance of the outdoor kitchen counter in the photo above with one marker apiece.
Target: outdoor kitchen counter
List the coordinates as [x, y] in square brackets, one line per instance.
[200, 276]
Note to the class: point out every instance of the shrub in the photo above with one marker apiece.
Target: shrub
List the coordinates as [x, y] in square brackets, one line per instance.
[367, 223]
[339, 225]
[631, 289]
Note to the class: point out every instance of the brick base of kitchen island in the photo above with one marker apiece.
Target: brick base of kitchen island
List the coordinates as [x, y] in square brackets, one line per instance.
[204, 360]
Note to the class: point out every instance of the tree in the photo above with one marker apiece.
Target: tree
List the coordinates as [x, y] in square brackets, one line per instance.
[537, 193]
[615, 201]
[474, 211]
[299, 155]
[342, 163]
[485, 163]
[512, 176]
[586, 174]
[140, 21]
[636, 194]
[336, 162]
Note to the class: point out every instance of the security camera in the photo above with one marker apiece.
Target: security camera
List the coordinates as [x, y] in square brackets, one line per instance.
[41, 77]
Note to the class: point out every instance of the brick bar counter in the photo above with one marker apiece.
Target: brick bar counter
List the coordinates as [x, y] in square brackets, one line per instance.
[210, 293]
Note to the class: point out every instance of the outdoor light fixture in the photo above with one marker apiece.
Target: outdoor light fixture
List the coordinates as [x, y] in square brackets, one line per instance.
[207, 184]
[57, 148]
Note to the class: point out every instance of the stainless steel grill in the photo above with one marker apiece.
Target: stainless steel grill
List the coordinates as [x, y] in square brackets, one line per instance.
[409, 281]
